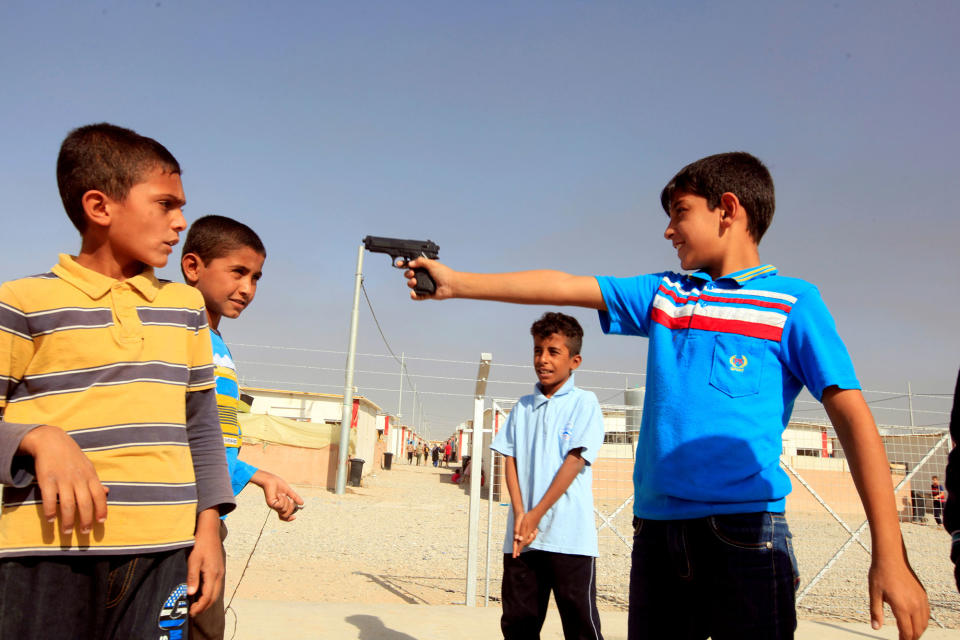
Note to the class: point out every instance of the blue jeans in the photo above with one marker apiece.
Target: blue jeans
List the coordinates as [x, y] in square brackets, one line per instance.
[725, 577]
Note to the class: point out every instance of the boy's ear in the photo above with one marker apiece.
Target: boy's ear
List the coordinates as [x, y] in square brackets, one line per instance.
[575, 361]
[96, 207]
[730, 209]
[191, 265]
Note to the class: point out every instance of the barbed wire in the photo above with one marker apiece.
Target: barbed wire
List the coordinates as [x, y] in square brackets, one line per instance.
[409, 379]
[897, 394]
[391, 355]
[815, 406]
[244, 380]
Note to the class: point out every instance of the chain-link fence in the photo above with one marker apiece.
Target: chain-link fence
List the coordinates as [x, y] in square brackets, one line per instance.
[831, 538]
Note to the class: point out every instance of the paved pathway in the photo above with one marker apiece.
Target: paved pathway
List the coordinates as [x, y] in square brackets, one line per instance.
[359, 621]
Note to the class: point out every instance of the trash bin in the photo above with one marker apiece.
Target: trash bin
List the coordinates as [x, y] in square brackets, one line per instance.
[356, 471]
[917, 501]
[387, 461]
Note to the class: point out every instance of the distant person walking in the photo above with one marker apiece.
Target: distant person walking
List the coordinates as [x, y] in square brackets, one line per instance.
[435, 454]
[939, 497]
[410, 452]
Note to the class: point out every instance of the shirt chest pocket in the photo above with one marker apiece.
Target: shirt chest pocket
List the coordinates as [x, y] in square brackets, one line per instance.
[737, 367]
[557, 429]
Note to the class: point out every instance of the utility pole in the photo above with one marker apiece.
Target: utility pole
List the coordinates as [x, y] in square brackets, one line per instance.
[910, 402]
[413, 421]
[347, 415]
[400, 399]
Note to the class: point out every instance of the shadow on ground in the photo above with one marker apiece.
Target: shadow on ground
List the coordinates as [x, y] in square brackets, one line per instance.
[393, 587]
[372, 628]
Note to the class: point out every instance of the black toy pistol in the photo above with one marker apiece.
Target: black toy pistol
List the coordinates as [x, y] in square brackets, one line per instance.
[408, 250]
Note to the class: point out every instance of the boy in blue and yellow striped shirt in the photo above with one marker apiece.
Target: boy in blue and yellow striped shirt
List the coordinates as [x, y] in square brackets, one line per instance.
[223, 259]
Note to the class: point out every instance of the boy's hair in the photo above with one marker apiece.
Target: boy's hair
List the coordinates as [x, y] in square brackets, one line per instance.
[212, 237]
[736, 172]
[552, 322]
[107, 158]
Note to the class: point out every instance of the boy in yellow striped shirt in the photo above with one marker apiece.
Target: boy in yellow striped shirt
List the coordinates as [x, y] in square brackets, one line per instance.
[108, 404]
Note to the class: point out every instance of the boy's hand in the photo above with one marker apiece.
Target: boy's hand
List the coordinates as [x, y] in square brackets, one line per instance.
[525, 530]
[521, 540]
[898, 587]
[64, 472]
[442, 275]
[517, 540]
[279, 495]
[205, 563]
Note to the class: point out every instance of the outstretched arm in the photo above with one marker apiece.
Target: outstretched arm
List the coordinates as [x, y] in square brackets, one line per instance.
[572, 465]
[891, 579]
[520, 287]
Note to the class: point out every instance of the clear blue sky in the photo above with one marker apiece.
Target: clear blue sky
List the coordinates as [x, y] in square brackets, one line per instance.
[515, 135]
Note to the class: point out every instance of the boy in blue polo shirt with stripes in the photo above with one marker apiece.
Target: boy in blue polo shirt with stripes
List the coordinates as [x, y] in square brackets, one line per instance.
[731, 344]
[549, 443]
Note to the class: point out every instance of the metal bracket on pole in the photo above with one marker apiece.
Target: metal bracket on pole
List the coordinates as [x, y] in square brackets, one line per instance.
[347, 415]
[476, 472]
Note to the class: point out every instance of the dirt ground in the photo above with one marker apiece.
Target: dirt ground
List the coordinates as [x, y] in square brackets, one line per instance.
[402, 538]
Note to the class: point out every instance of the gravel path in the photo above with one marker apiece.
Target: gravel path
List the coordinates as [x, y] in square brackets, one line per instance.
[399, 538]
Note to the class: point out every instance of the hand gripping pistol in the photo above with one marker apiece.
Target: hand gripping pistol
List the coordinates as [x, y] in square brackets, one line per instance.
[407, 250]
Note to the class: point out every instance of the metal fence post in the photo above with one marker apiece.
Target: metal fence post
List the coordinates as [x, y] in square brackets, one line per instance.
[476, 472]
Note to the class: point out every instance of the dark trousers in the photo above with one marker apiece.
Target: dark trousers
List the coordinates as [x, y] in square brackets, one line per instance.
[937, 511]
[97, 597]
[728, 577]
[527, 583]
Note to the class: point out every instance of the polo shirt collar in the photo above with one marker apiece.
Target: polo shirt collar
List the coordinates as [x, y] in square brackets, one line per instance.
[539, 398]
[740, 277]
[96, 285]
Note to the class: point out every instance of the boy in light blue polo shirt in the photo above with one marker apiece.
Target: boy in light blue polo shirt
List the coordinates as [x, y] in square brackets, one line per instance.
[731, 343]
[549, 442]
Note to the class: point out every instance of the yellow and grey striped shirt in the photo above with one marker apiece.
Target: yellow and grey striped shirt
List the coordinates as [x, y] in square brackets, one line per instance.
[125, 367]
